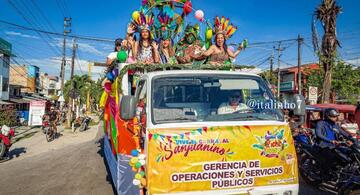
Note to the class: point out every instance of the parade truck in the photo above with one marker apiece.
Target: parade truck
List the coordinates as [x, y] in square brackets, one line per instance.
[179, 132]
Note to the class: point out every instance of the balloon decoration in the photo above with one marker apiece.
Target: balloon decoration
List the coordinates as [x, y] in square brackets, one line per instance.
[135, 15]
[231, 48]
[187, 7]
[137, 161]
[110, 76]
[122, 56]
[209, 34]
[199, 15]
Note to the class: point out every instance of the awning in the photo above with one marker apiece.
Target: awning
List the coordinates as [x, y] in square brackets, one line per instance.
[19, 101]
[2, 102]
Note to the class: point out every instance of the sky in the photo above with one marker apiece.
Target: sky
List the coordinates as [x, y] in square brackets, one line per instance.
[258, 21]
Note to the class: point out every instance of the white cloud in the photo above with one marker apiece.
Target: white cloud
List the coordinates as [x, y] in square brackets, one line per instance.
[83, 47]
[355, 62]
[52, 66]
[21, 35]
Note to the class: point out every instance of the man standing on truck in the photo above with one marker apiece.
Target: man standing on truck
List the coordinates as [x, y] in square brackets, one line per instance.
[233, 105]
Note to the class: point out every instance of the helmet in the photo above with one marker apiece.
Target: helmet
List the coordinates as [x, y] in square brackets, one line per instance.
[331, 112]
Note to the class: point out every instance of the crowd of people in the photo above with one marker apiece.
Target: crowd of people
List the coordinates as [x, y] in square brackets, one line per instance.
[144, 48]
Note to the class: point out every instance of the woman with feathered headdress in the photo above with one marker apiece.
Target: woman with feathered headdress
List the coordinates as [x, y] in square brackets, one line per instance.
[219, 53]
[145, 50]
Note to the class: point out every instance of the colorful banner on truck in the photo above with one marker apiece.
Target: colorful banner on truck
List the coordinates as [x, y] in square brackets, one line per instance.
[215, 158]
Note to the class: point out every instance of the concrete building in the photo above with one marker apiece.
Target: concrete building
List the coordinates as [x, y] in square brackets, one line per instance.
[49, 84]
[26, 76]
[5, 53]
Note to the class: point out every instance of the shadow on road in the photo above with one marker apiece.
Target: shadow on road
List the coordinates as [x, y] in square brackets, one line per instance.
[100, 143]
[24, 136]
[15, 153]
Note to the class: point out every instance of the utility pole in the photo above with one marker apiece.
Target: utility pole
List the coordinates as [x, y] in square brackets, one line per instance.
[70, 107]
[73, 58]
[300, 41]
[278, 75]
[67, 29]
[271, 66]
[88, 93]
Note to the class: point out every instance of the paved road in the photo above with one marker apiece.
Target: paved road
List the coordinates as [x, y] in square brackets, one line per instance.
[75, 169]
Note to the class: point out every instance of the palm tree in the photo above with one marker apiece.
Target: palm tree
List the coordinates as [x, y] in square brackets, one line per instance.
[327, 13]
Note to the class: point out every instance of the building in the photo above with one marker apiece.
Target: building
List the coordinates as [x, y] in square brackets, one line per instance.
[49, 84]
[5, 53]
[26, 76]
[289, 78]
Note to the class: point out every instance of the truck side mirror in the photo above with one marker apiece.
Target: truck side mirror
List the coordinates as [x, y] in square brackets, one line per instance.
[299, 100]
[128, 107]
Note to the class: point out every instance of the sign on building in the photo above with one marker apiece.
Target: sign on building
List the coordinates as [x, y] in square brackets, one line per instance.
[37, 110]
[313, 95]
[287, 86]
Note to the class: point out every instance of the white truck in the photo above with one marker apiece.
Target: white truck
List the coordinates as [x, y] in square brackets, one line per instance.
[200, 132]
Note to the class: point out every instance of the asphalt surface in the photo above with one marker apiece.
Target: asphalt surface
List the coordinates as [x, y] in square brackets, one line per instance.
[75, 169]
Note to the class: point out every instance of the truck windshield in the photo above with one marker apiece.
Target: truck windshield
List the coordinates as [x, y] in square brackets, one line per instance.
[211, 98]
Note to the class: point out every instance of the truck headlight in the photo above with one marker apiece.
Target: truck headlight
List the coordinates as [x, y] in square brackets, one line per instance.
[287, 192]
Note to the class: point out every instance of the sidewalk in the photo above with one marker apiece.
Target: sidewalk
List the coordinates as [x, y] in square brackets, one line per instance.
[29, 142]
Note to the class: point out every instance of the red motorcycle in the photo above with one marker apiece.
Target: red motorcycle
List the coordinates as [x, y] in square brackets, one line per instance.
[6, 133]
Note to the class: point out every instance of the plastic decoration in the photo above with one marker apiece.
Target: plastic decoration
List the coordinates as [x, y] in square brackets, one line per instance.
[187, 7]
[137, 162]
[122, 56]
[135, 15]
[199, 15]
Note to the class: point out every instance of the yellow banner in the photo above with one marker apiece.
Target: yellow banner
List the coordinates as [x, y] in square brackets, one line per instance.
[215, 158]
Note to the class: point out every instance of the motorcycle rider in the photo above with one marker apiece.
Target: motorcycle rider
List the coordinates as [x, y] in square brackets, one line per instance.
[327, 131]
[53, 118]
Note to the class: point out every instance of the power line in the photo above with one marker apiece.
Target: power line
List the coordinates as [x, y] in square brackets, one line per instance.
[43, 15]
[23, 16]
[59, 34]
[62, 11]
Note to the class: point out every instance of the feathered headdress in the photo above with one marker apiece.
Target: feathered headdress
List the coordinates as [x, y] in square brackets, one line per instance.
[166, 23]
[144, 22]
[222, 26]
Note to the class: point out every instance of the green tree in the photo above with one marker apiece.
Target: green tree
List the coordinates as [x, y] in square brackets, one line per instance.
[327, 13]
[7, 117]
[345, 80]
[83, 84]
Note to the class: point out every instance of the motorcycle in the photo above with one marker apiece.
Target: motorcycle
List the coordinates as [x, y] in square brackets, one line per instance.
[84, 123]
[45, 123]
[6, 134]
[334, 168]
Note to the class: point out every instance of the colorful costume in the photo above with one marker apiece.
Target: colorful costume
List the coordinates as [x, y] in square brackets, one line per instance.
[187, 49]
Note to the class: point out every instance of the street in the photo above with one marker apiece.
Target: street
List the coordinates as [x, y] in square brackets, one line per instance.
[73, 169]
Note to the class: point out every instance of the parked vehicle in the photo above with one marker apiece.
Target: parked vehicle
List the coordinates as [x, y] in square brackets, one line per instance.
[6, 134]
[336, 169]
[85, 121]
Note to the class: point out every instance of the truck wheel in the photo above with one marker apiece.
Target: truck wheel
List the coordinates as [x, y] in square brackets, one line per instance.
[2, 149]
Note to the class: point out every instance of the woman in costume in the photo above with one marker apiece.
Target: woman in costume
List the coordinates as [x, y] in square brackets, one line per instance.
[219, 53]
[145, 50]
[112, 56]
[166, 51]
